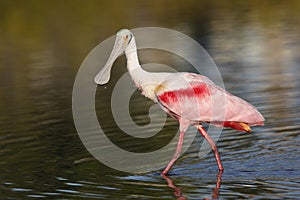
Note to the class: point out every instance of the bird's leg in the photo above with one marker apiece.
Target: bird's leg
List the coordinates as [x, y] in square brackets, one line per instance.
[212, 144]
[176, 155]
[215, 194]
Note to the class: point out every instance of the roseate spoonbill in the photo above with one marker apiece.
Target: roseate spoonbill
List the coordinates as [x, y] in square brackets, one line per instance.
[190, 98]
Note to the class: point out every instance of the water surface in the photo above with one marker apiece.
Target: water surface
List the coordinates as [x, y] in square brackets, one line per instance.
[42, 45]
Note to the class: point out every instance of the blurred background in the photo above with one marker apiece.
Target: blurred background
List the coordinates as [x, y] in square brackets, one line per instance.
[255, 45]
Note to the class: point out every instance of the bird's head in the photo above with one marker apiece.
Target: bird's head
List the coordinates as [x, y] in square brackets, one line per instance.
[124, 38]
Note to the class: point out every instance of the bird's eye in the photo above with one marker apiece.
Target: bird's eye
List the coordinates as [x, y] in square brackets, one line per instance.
[126, 37]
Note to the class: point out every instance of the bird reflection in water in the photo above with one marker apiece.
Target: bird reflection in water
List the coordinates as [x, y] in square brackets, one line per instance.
[178, 191]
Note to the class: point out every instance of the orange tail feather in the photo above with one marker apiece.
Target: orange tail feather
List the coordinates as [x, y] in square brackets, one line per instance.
[240, 126]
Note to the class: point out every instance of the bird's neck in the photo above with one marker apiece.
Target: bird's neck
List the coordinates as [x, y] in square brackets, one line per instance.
[134, 68]
[144, 80]
[132, 57]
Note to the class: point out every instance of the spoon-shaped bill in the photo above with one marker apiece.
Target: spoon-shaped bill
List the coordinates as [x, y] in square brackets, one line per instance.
[103, 75]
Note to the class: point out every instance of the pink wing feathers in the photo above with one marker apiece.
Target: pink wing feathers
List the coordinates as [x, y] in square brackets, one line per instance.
[196, 98]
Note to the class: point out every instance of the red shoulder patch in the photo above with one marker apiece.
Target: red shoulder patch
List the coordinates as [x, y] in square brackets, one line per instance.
[168, 97]
[195, 91]
[201, 90]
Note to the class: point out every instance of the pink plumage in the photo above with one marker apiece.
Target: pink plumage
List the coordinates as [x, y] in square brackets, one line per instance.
[200, 100]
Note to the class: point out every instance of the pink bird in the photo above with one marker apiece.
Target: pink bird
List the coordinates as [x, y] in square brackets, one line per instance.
[190, 98]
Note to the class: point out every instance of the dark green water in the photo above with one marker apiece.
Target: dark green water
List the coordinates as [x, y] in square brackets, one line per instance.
[255, 45]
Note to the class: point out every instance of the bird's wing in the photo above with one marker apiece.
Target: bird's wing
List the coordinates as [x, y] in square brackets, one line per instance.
[197, 98]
